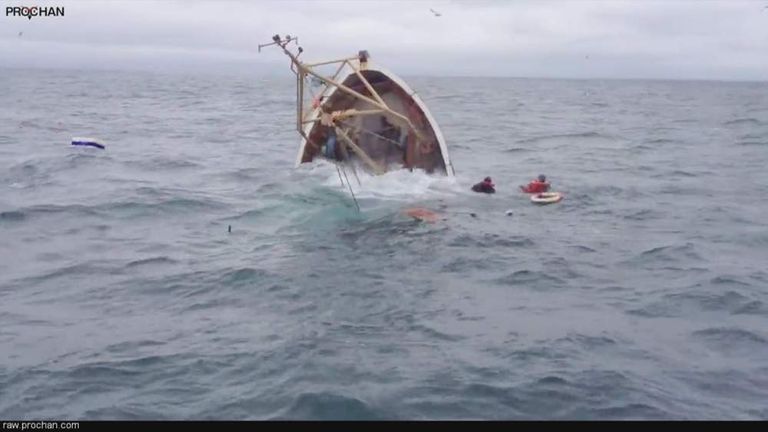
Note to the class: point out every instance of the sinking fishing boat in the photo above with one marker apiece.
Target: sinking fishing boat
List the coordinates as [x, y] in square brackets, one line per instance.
[363, 116]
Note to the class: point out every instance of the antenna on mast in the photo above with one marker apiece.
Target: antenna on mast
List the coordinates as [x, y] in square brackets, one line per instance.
[277, 40]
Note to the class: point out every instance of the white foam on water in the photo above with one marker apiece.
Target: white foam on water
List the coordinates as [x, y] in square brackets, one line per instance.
[398, 185]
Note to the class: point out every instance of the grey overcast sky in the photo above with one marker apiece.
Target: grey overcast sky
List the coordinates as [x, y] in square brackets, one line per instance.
[677, 39]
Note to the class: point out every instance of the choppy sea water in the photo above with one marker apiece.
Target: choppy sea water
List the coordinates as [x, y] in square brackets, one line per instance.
[642, 295]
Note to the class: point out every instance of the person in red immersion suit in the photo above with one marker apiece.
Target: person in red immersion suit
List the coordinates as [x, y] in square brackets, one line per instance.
[539, 185]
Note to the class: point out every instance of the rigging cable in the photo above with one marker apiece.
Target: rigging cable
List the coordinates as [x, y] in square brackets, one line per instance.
[349, 185]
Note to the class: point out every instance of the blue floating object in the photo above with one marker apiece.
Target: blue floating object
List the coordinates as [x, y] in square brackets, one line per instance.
[87, 142]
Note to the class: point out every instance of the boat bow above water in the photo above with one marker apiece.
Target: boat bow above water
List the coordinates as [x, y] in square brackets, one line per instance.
[363, 115]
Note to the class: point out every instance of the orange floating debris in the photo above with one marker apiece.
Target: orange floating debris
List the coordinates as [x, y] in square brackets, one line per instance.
[422, 214]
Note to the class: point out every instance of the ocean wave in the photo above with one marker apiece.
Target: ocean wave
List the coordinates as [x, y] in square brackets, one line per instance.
[643, 215]
[12, 216]
[150, 209]
[121, 348]
[250, 214]
[51, 209]
[517, 150]
[754, 307]
[461, 265]
[640, 148]
[726, 383]
[583, 249]
[605, 190]
[94, 379]
[114, 371]
[660, 141]
[744, 121]
[46, 170]
[565, 136]
[488, 240]
[212, 303]
[458, 98]
[751, 136]
[163, 163]
[123, 413]
[701, 300]
[552, 380]
[729, 280]
[241, 276]
[324, 406]
[28, 172]
[728, 339]
[592, 394]
[161, 260]
[119, 208]
[246, 174]
[196, 285]
[685, 120]
[629, 411]
[531, 278]
[668, 254]
[588, 342]
[679, 173]
[79, 270]
[77, 158]
[435, 335]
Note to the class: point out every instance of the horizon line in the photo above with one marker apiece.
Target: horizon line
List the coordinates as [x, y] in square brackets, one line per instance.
[273, 74]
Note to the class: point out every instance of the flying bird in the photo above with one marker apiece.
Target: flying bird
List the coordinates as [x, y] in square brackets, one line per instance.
[21, 33]
[437, 14]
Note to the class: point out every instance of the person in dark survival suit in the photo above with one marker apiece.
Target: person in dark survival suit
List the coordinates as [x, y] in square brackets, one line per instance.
[485, 186]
